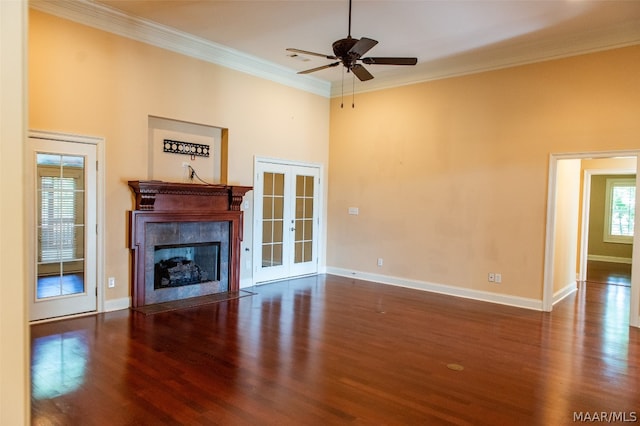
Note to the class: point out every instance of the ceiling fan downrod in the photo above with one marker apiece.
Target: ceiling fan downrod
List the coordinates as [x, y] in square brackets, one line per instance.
[349, 32]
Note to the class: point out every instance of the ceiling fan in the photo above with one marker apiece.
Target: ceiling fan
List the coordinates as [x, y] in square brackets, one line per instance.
[348, 52]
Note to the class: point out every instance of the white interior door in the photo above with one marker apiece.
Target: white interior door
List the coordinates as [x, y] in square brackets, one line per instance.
[287, 220]
[62, 186]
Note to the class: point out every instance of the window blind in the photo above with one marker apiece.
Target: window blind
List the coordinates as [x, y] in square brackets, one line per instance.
[58, 217]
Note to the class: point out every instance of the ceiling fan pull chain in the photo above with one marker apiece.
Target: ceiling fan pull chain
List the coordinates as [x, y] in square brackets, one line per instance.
[342, 98]
[353, 93]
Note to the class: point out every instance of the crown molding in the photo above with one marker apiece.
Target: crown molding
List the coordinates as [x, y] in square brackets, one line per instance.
[503, 56]
[116, 22]
[107, 19]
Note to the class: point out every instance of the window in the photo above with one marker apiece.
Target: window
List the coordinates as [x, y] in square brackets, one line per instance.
[60, 215]
[620, 209]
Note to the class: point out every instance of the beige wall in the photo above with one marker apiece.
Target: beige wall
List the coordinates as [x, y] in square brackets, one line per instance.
[566, 225]
[93, 83]
[451, 176]
[14, 337]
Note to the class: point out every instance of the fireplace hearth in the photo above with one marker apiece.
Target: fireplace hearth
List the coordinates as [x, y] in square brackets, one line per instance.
[185, 240]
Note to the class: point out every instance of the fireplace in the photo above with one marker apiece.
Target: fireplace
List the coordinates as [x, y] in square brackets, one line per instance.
[185, 240]
[185, 259]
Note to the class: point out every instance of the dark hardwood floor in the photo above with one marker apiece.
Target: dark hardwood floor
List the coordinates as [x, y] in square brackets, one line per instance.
[609, 273]
[331, 350]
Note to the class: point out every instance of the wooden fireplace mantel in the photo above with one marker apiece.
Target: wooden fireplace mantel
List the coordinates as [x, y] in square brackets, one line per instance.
[175, 196]
[168, 202]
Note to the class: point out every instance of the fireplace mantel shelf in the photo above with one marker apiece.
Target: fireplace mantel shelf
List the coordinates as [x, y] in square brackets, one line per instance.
[174, 196]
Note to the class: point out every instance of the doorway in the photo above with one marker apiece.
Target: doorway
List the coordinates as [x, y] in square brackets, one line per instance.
[561, 253]
[62, 185]
[287, 219]
[608, 208]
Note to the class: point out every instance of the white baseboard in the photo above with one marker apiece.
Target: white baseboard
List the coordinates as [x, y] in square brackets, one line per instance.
[117, 304]
[564, 292]
[612, 259]
[485, 296]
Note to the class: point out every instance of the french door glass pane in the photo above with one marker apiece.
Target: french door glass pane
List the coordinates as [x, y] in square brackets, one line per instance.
[303, 219]
[61, 228]
[272, 219]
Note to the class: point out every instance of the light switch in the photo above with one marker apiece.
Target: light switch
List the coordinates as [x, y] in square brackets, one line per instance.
[354, 211]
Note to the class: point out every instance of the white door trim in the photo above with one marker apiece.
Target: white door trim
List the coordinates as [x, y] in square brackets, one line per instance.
[100, 205]
[257, 238]
[284, 162]
[547, 298]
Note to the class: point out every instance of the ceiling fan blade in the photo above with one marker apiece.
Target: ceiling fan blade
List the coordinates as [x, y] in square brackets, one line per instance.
[362, 46]
[390, 61]
[335, 64]
[306, 52]
[361, 72]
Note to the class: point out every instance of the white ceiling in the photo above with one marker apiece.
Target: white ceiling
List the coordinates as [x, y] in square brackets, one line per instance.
[449, 37]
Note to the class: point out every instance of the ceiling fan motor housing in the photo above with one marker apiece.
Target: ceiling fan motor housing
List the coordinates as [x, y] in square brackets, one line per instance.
[341, 50]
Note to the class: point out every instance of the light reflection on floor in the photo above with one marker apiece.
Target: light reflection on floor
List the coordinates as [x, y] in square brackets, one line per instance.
[615, 328]
[58, 364]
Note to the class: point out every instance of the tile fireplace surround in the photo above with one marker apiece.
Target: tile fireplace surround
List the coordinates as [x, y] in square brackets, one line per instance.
[183, 213]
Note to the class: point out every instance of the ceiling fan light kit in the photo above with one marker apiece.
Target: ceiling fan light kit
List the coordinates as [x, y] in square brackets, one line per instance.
[348, 52]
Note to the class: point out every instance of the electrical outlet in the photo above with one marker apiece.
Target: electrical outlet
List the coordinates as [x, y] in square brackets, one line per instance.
[492, 277]
[112, 282]
[380, 261]
[187, 171]
[498, 278]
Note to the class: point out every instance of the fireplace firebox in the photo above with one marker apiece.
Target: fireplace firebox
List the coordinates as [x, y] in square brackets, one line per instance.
[185, 240]
[177, 265]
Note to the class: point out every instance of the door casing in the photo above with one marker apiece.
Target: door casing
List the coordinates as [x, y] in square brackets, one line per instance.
[99, 214]
[260, 164]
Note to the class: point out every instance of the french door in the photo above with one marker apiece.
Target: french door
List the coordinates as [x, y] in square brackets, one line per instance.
[286, 211]
[62, 182]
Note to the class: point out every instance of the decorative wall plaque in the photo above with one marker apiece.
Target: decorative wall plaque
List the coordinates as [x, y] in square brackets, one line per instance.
[186, 148]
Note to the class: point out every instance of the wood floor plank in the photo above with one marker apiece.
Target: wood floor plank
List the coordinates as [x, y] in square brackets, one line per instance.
[333, 350]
